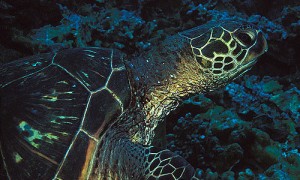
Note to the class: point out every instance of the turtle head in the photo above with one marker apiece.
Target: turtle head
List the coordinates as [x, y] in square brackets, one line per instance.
[226, 50]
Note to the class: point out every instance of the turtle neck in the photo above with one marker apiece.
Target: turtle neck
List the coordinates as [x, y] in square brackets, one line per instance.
[161, 78]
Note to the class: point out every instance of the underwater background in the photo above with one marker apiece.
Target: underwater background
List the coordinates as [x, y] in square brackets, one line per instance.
[247, 130]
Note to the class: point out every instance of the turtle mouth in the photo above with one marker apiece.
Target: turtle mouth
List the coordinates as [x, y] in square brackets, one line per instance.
[245, 68]
[250, 63]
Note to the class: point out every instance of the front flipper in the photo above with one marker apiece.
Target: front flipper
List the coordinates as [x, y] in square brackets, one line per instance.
[123, 159]
[164, 164]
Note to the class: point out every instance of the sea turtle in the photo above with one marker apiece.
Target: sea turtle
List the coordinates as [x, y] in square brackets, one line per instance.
[90, 113]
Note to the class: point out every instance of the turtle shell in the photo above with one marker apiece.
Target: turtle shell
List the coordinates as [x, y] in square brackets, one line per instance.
[54, 109]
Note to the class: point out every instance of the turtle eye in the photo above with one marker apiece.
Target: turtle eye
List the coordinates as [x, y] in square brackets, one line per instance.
[245, 38]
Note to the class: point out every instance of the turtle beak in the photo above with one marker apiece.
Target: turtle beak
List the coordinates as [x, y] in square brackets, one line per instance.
[261, 45]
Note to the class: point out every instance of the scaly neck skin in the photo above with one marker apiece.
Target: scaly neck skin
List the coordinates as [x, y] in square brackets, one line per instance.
[163, 77]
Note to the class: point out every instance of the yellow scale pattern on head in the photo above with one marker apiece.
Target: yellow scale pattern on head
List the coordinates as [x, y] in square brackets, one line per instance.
[35, 135]
[229, 54]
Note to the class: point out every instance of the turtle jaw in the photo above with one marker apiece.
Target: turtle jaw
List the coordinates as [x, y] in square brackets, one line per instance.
[224, 79]
[247, 67]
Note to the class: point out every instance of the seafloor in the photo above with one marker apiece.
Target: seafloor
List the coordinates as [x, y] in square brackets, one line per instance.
[247, 130]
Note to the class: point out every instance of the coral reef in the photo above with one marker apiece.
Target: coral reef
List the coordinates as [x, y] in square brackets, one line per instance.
[249, 131]
[134, 26]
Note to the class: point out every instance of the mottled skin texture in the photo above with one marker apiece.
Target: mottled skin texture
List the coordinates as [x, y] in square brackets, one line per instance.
[194, 61]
